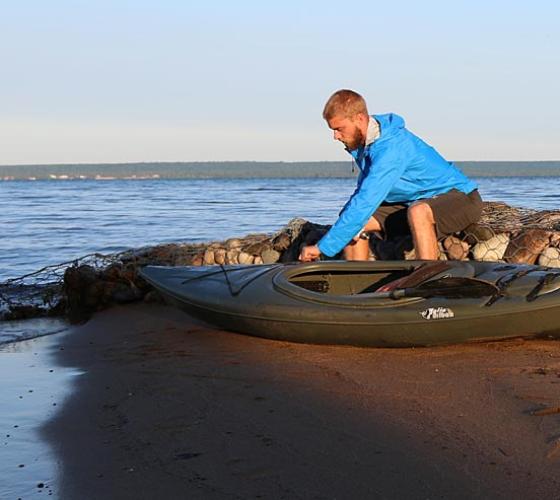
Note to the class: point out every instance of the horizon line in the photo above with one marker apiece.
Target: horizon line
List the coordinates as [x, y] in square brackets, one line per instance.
[239, 161]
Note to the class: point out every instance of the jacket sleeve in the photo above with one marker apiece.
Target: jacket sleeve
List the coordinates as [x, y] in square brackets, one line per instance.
[358, 184]
[385, 169]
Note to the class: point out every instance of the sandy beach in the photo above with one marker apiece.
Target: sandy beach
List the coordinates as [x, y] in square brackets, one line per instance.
[166, 407]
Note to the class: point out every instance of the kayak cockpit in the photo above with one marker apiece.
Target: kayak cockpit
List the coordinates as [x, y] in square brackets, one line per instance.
[346, 282]
[355, 282]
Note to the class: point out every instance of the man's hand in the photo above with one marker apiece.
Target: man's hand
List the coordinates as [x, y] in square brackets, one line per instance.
[309, 253]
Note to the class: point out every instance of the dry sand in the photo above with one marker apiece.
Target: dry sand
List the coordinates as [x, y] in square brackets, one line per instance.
[170, 408]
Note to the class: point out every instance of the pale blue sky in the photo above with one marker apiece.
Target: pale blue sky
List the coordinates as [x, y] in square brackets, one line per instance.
[119, 81]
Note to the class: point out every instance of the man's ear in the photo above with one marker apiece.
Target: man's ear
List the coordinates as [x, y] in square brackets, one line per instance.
[363, 117]
[360, 118]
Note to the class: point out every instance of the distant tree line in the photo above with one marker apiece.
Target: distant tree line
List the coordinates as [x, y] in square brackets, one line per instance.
[245, 169]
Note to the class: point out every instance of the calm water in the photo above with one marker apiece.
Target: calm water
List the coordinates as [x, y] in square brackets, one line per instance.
[49, 222]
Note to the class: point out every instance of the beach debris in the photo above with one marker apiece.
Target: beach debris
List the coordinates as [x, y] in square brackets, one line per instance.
[546, 411]
[554, 450]
[79, 288]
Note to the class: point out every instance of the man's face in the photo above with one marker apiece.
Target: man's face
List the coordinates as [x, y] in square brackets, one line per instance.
[347, 131]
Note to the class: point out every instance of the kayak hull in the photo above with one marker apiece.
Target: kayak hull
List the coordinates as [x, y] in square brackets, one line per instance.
[292, 303]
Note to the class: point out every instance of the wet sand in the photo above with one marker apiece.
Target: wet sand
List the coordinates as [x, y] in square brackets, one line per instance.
[170, 408]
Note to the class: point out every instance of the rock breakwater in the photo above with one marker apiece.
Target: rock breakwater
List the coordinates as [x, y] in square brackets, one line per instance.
[96, 282]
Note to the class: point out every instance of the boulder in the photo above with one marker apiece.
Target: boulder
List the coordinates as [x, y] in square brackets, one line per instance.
[208, 258]
[233, 243]
[245, 258]
[492, 249]
[456, 249]
[197, 260]
[476, 233]
[231, 256]
[550, 257]
[270, 256]
[526, 247]
[220, 256]
[281, 242]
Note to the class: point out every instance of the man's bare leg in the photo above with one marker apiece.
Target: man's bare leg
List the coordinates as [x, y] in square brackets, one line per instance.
[423, 229]
[358, 249]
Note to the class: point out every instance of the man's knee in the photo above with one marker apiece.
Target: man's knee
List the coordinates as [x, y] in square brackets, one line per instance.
[420, 212]
[373, 225]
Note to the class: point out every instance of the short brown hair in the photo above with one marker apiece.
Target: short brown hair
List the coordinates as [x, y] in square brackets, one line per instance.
[345, 103]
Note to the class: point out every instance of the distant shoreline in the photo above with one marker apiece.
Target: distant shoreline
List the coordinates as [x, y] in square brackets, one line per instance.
[248, 169]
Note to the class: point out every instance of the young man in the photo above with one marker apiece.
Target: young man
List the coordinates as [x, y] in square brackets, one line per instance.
[402, 180]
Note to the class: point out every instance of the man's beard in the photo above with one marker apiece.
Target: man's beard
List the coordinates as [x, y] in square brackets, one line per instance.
[358, 140]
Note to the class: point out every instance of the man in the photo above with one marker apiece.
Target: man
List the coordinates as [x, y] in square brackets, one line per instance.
[402, 181]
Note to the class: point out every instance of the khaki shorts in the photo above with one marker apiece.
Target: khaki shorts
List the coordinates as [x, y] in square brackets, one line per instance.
[453, 211]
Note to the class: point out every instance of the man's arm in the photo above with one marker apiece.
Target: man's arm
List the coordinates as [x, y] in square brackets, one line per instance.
[386, 168]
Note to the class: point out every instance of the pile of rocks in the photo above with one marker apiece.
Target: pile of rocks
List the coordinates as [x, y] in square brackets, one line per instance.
[503, 234]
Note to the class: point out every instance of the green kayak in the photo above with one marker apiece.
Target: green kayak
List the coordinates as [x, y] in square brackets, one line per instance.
[378, 303]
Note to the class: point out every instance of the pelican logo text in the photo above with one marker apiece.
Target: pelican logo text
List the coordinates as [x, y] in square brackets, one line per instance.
[437, 313]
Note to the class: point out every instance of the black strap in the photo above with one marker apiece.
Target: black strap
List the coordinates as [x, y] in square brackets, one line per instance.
[545, 280]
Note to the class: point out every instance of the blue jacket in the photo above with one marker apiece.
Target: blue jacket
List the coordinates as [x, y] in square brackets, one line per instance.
[396, 167]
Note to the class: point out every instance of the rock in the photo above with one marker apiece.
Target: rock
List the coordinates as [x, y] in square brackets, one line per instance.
[94, 294]
[245, 258]
[220, 256]
[23, 312]
[476, 233]
[124, 294]
[233, 243]
[197, 260]
[555, 240]
[270, 256]
[492, 249]
[186, 260]
[153, 297]
[113, 272]
[550, 257]
[130, 272]
[208, 258]
[409, 254]
[456, 249]
[547, 218]
[526, 246]
[281, 242]
[231, 256]
[78, 277]
[163, 254]
[258, 260]
[441, 255]
[257, 248]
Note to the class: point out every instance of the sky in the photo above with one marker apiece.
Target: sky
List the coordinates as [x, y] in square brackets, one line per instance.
[125, 81]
